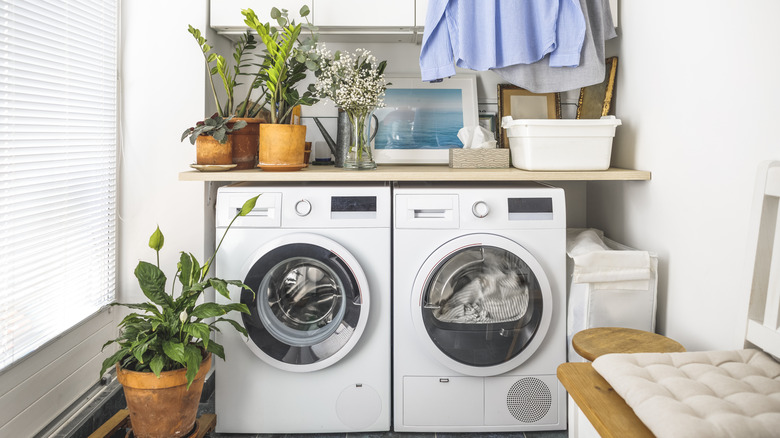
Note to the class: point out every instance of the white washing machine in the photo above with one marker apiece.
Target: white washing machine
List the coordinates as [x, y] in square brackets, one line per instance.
[317, 359]
[479, 322]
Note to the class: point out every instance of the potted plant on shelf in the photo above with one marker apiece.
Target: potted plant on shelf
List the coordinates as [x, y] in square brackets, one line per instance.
[284, 64]
[244, 140]
[214, 145]
[355, 82]
[165, 351]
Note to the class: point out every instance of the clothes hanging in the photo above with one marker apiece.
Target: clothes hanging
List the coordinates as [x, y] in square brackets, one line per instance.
[541, 77]
[486, 34]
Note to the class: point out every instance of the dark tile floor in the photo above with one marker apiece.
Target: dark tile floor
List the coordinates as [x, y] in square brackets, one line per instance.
[208, 407]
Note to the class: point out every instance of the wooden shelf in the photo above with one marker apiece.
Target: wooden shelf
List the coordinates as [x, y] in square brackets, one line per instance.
[388, 172]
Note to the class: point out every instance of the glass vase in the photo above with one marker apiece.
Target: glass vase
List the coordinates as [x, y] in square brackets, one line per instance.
[359, 156]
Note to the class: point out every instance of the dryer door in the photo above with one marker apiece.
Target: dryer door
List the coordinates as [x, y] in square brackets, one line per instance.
[481, 304]
[311, 302]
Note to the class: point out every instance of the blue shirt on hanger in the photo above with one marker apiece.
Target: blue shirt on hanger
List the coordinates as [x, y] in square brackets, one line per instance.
[485, 34]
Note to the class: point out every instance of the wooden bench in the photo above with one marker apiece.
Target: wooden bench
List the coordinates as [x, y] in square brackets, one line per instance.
[607, 411]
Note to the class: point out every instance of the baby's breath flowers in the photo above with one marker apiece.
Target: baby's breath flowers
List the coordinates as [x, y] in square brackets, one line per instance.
[355, 82]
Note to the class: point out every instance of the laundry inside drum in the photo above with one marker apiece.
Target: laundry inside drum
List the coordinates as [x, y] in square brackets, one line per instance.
[480, 285]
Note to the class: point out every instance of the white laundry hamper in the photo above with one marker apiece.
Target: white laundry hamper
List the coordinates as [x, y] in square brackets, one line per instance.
[619, 296]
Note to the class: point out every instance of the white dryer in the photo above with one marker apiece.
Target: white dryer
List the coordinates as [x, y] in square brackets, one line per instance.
[479, 320]
[317, 359]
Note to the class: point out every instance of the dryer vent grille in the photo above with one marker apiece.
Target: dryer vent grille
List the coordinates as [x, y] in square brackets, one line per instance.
[529, 400]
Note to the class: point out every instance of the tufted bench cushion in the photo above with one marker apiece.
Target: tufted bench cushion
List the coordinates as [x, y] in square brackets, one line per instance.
[699, 394]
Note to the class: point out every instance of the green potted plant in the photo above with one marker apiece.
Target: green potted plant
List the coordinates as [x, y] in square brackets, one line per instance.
[286, 59]
[244, 140]
[165, 350]
[214, 145]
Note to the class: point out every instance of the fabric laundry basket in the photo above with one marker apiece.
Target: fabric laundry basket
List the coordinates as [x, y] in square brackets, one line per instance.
[610, 285]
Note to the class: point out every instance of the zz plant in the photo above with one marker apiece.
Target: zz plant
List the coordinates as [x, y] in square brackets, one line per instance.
[171, 332]
[286, 59]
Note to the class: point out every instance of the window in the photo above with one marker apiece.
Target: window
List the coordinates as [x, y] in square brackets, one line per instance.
[58, 153]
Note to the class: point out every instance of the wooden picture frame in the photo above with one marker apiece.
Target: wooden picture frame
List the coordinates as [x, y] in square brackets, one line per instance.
[523, 104]
[421, 120]
[596, 100]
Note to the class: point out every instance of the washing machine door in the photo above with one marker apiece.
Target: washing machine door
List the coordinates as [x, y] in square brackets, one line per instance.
[310, 304]
[481, 304]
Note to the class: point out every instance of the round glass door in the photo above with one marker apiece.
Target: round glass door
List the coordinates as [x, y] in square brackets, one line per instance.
[309, 307]
[482, 304]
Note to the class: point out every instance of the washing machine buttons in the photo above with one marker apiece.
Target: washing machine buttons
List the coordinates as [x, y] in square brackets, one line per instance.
[480, 209]
[302, 207]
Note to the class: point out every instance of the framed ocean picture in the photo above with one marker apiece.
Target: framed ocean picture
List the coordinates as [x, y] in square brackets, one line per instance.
[421, 120]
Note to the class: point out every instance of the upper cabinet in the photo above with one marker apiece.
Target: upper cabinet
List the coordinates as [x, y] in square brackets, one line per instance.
[226, 15]
[337, 20]
[362, 13]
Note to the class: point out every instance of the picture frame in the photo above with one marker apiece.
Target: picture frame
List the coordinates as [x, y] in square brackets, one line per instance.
[421, 120]
[523, 104]
[488, 121]
[596, 100]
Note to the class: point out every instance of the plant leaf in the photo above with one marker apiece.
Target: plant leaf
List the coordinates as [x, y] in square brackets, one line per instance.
[217, 349]
[189, 270]
[220, 286]
[156, 364]
[235, 325]
[152, 282]
[113, 359]
[198, 330]
[175, 350]
[207, 310]
[194, 358]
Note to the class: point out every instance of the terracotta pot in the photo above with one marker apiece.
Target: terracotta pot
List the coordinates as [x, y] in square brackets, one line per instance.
[246, 143]
[162, 407]
[210, 151]
[281, 146]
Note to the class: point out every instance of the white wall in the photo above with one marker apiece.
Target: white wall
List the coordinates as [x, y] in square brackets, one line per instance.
[697, 93]
[163, 86]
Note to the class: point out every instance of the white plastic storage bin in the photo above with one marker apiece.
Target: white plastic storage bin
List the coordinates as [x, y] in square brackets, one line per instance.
[557, 144]
[630, 304]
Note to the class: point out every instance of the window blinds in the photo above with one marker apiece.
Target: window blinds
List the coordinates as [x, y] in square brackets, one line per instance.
[58, 148]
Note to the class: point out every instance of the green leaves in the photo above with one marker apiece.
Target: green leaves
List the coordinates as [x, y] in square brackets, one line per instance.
[172, 332]
[189, 270]
[152, 282]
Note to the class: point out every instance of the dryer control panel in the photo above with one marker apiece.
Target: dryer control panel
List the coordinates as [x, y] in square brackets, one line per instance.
[479, 208]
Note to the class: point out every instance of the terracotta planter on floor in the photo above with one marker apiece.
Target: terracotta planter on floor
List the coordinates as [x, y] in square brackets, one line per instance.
[281, 146]
[246, 143]
[162, 407]
[210, 152]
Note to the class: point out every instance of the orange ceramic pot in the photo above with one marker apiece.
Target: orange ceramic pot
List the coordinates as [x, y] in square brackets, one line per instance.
[209, 151]
[281, 146]
[162, 407]
[245, 143]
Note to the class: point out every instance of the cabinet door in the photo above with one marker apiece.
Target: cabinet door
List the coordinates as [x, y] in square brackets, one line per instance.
[362, 13]
[226, 14]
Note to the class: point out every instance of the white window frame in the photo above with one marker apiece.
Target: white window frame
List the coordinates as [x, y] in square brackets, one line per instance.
[35, 388]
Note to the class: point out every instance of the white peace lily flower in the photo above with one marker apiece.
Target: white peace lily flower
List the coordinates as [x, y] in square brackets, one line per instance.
[183, 316]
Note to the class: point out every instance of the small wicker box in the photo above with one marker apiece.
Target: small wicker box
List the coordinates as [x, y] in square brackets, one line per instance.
[479, 158]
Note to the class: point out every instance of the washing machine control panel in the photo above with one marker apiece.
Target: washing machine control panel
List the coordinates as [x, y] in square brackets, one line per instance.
[480, 209]
[302, 207]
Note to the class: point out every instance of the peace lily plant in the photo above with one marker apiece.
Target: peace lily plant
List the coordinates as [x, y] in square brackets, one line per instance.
[171, 331]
